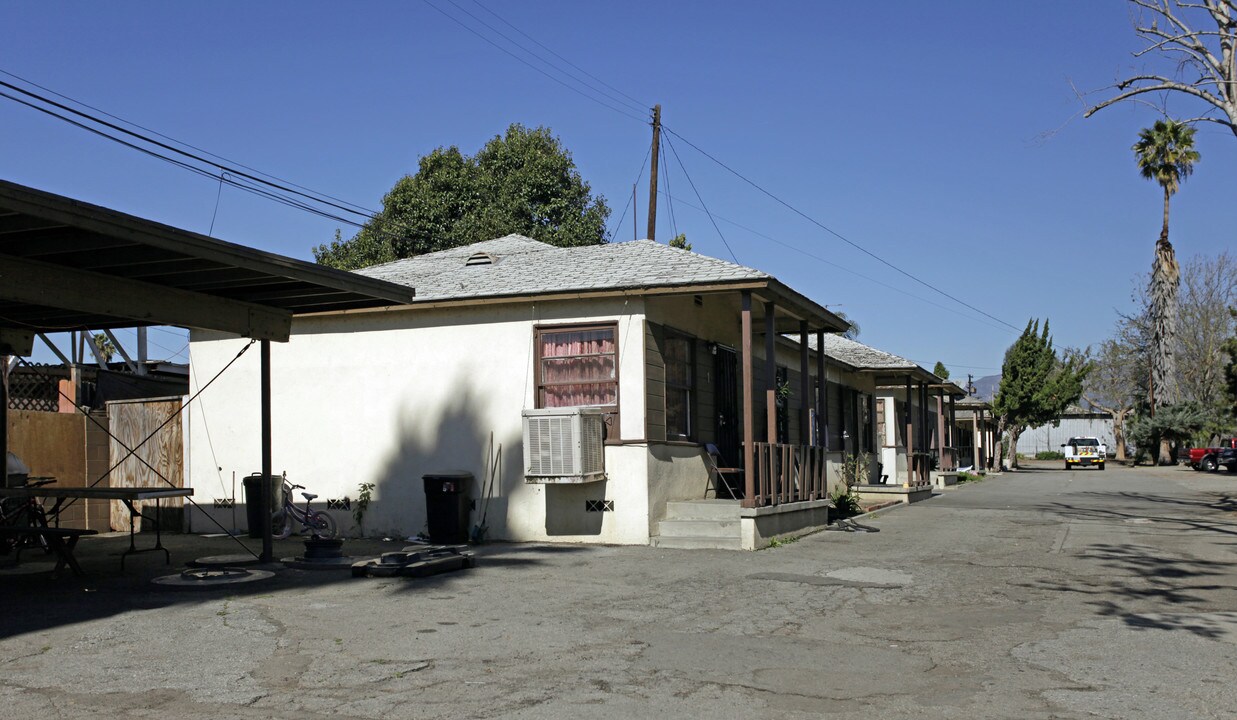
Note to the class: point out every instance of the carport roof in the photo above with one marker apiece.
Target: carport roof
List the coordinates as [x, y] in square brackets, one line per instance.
[70, 265]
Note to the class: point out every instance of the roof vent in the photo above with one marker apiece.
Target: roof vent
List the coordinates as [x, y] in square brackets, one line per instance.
[481, 258]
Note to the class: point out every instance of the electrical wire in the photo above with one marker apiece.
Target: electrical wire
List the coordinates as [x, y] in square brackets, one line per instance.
[843, 268]
[632, 197]
[836, 234]
[706, 207]
[572, 88]
[178, 142]
[113, 126]
[639, 104]
[636, 105]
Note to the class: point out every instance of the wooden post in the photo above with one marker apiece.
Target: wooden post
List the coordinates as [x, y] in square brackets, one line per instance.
[142, 353]
[770, 373]
[940, 433]
[653, 172]
[749, 424]
[264, 492]
[910, 436]
[805, 388]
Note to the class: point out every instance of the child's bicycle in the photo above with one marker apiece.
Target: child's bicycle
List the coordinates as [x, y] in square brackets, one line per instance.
[319, 523]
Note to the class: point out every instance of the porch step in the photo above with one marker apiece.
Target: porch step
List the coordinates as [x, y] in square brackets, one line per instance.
[688, 542]
[702, 510]
[700, 528]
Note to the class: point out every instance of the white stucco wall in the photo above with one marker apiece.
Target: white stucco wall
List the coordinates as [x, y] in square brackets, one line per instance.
[389, 397]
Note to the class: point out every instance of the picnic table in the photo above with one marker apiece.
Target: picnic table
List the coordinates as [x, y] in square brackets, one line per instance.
[62, 540]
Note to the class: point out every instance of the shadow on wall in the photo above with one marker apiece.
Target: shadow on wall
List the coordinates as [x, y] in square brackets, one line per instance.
[453, 442]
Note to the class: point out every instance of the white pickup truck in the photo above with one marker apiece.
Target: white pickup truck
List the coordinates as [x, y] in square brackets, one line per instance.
[1084, 451]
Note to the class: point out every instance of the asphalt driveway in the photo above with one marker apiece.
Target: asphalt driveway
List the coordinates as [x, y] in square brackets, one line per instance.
[1037, 594]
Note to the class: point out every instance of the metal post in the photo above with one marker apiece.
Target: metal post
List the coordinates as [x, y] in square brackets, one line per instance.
[4, 416]
[264, 492]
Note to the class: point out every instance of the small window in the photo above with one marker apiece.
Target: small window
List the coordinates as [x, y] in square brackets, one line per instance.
[577, 366]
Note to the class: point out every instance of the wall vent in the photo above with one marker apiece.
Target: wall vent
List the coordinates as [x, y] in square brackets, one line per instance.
[481, 258]
[598, 506]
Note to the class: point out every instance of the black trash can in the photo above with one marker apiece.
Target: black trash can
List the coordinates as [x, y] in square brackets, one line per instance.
[448, 500]
[253, 504]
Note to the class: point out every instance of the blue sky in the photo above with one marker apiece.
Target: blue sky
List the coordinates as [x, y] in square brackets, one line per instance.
[943, 137]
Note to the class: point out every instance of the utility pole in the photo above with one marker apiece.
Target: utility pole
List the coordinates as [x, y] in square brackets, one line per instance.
[653, 172]
[970, 387]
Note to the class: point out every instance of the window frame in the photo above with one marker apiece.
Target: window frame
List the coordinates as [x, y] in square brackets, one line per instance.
[612, 424]
[669, 334]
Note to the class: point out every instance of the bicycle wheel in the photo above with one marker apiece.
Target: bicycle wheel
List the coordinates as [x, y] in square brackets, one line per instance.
[322, 525]
[281, 525]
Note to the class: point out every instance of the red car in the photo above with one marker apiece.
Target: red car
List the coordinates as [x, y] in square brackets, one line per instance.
[1208, 458]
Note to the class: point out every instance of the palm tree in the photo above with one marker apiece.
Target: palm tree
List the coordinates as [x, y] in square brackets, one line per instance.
[1165, 154]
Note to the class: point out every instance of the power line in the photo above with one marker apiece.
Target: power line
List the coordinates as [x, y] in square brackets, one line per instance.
[252, 178]
[836, 234]
[843, 268]
[706, 207]
[178, 142]
[630, 103]
[632, 197]
[572, 88]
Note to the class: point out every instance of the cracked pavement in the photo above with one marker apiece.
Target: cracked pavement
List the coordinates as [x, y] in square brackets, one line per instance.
[1036, 594]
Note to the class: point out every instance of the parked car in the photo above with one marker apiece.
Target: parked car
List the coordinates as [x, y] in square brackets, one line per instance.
[1208, 458]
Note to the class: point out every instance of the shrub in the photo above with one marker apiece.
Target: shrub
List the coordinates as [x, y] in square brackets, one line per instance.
[1049, 455]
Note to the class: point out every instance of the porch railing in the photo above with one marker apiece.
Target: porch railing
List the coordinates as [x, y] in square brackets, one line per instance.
[787, 473]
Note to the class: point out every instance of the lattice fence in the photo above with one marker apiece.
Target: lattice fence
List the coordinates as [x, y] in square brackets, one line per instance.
[33, 392]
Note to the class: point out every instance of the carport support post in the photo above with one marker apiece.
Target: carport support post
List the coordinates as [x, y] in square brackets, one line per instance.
[4, 416]
[264, 489]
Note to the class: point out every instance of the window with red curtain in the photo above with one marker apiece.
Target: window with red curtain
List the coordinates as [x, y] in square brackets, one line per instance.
[578, 366]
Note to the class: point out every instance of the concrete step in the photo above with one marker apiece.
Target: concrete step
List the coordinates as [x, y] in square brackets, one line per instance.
[702, 510]
[682, 542]
[699, 528]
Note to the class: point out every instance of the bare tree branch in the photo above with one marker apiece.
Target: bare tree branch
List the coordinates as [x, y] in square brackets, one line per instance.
[1178, 28]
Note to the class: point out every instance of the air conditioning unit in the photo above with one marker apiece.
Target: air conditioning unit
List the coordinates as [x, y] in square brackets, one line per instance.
[564, 445]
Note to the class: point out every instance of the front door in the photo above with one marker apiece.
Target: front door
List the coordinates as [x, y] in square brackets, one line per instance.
[726, 402]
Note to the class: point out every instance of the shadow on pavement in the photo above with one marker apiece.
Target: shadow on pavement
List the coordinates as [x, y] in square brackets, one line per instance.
[31, 599]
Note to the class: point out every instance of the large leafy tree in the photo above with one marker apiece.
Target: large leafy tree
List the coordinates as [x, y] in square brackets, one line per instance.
[1230, 370]
[1036, 385]
[1165, 153]
[522, 182]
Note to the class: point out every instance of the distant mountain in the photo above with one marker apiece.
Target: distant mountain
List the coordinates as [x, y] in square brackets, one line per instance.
[985, 387]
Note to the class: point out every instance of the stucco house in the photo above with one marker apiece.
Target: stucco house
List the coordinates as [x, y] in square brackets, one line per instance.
[912, 413]
[682, 353]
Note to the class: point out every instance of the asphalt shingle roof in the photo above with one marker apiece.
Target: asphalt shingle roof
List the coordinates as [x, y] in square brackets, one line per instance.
[523, 266]
[860, 356]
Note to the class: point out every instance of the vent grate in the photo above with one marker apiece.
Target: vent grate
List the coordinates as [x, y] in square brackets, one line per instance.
[598, 506]
[342, 503]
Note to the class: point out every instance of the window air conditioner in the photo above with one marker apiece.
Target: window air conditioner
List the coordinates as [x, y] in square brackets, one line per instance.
[564, 445]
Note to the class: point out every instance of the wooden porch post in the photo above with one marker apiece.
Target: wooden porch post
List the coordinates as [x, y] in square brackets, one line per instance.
[805, 389]
[749, 425]
[940, 432]
[264, 491]
[910, 436]
[953, 432]
[925, 431]
[770, 373]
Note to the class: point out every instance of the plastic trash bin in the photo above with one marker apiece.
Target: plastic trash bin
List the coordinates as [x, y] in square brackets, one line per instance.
[448, 500]
[253, 510]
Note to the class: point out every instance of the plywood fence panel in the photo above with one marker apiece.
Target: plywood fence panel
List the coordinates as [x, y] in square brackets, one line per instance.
[131, 422]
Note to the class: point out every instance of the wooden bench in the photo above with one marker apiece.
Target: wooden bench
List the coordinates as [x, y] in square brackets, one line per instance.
[60, 541]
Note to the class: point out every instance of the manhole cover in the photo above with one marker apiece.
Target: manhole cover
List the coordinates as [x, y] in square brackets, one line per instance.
[214, 561]
[212, 577]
